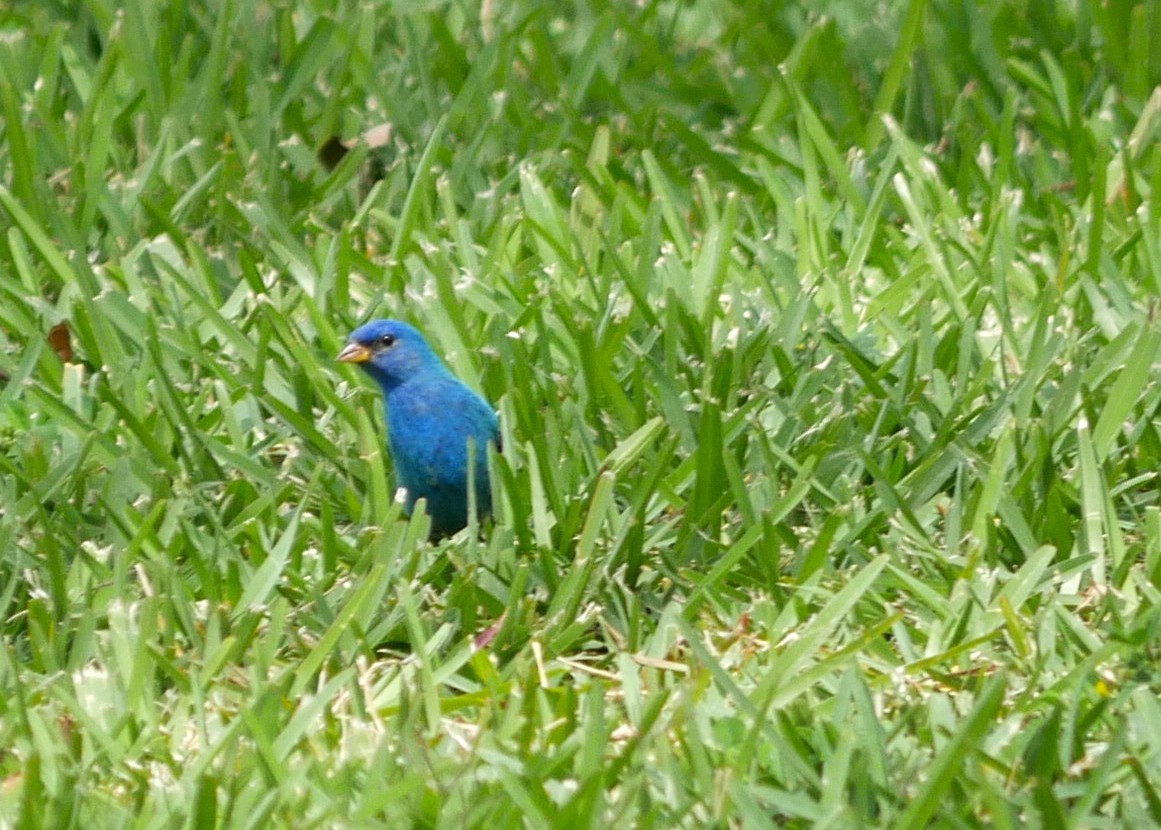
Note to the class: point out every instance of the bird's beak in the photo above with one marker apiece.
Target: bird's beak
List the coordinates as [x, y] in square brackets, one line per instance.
[354, 353]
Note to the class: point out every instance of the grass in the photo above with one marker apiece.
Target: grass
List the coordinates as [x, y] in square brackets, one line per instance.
[824, 351]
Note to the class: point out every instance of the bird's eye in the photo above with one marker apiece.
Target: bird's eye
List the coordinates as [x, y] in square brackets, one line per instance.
[387, 341]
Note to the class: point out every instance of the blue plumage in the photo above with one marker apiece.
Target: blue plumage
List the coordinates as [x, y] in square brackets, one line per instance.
[431, 419]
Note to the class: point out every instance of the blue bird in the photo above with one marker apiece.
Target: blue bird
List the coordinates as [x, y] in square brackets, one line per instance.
[432, 417]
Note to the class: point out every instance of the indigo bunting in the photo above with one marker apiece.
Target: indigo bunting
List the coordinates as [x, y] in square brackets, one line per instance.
[432, 417]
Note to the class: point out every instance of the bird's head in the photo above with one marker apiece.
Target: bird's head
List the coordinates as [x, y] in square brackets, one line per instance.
[389, 351]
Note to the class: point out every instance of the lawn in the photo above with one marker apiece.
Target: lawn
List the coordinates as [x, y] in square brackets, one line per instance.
[823, 342]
